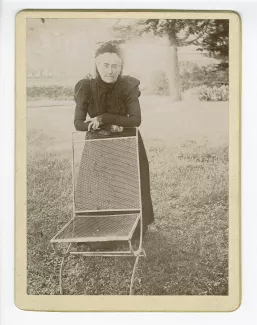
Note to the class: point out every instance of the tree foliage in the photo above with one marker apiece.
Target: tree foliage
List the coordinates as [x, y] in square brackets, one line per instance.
[216, 41]
[208, 34]
[180, 32]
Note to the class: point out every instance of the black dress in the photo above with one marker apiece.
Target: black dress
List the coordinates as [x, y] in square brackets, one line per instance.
[114, 104]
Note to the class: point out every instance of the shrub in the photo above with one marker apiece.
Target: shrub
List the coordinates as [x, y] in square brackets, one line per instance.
[161, 84]
[214, 93]
[193, 75]
[157, 85]
[50, 91]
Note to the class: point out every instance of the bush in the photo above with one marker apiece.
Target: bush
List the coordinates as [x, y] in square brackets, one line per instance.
[157, 85]
[214, 93]
[192, 75]
[161, 84]
[50, 91]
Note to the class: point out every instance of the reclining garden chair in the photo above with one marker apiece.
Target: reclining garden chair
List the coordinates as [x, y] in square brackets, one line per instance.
[107, 206]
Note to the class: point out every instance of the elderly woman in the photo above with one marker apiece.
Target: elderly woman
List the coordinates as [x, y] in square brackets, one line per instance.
[111, 101]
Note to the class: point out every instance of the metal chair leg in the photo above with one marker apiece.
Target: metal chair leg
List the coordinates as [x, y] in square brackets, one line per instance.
[64, 255]
[133, 275]
[60, 275]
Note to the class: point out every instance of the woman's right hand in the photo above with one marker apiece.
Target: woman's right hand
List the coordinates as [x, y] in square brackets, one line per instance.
[93, 124]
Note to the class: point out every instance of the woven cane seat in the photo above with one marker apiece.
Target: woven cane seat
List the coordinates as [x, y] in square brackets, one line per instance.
[99, 228]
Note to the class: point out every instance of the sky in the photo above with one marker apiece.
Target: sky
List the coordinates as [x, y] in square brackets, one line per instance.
[66, 47]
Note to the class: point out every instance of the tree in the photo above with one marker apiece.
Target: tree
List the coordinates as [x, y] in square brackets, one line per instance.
[180, 32]
[216, 42]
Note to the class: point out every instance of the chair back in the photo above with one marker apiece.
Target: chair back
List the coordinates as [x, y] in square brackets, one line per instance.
[106, 173]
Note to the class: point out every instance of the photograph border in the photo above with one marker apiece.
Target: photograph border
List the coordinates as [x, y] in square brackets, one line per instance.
[129, 303]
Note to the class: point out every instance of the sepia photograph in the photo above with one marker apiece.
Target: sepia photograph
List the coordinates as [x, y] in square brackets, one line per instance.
[128, 156]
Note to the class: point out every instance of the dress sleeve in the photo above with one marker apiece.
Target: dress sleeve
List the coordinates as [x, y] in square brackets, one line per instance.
[80, 97]
[133, 108]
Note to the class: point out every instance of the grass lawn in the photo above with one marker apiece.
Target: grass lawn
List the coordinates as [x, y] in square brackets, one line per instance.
[186, 247]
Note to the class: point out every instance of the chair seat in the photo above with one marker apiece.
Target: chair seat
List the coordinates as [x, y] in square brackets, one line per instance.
[98, 228]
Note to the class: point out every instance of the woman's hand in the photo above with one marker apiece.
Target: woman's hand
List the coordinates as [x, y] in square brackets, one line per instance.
[116, 128]
[94, 124]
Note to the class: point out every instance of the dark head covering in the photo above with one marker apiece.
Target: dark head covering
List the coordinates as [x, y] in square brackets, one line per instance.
[110, 47]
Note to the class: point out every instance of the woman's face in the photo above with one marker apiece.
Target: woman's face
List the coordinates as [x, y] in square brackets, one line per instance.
[108, 66]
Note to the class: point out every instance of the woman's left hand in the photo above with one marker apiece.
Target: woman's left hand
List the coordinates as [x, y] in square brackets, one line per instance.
[116, 128]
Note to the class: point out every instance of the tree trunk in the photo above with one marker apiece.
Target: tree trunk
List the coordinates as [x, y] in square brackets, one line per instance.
[173, 74]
